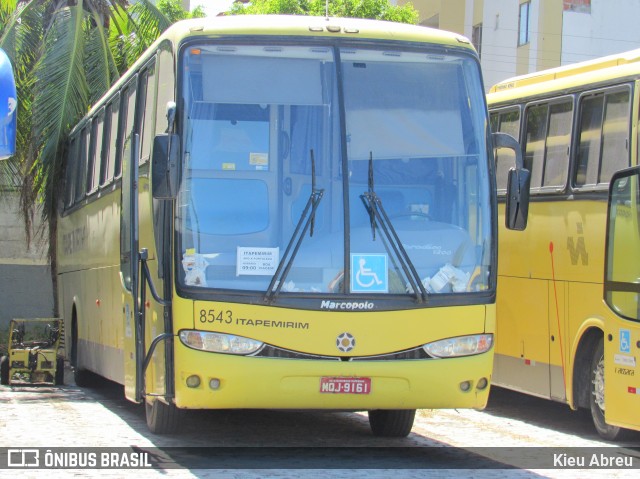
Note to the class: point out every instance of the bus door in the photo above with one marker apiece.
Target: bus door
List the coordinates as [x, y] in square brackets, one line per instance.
[619, 368]
[129, 272]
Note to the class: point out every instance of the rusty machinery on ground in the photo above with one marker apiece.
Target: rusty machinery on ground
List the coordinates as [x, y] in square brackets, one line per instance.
[34, 353]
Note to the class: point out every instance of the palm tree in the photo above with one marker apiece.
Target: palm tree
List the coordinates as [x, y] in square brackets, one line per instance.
[66, 54]
[63, 55]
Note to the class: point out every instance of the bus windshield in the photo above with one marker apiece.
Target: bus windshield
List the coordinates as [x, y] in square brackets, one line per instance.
[266, 127]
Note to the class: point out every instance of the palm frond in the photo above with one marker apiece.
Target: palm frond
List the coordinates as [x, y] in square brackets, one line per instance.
[61, 96]
[101, 69]
[22, 27]
[145, 25]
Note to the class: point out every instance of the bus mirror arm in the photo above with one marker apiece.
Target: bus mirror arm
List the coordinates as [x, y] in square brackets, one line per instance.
[164, 166]
[171, 115]
[518, 183]
[503, 140]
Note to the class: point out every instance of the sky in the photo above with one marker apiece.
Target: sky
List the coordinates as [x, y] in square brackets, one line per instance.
[212, 7]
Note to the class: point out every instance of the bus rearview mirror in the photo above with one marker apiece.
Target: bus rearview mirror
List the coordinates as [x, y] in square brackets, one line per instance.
[517, 206]
[518, 182]
[164, 166]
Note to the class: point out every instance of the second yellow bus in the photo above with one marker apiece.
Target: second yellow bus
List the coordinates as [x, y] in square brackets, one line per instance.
[556, 338]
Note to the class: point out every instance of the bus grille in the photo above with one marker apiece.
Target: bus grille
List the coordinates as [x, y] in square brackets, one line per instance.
[269, 351]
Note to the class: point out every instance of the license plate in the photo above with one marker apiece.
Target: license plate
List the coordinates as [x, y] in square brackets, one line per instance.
[345, 385]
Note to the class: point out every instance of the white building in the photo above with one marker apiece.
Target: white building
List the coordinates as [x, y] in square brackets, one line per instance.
[515, 37]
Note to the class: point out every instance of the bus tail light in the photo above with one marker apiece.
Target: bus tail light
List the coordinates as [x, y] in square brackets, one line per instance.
[460, 346]
[219, 343]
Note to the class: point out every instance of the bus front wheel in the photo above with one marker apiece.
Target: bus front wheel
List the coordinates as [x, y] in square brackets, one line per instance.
[4, 370]
[162, 418]
[391, 423]
[597, 400]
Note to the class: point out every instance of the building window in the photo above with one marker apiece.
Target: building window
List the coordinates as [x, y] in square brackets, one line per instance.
[523, 23]
[578, 6]
[476, 37]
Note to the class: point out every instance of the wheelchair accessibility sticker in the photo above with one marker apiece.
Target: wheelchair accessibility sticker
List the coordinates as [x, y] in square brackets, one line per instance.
[625, 341]
[369, 273]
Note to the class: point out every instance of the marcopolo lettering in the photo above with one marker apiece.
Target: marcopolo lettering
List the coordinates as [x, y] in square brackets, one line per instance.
[347, 305]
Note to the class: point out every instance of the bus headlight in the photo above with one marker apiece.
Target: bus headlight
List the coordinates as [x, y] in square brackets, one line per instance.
[219, 343]
[460, 346]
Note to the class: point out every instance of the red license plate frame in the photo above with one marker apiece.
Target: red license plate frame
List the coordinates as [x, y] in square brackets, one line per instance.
[345, 385]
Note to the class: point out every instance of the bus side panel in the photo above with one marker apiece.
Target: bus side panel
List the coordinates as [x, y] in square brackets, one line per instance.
[559, 340]
[622, 373]
[522, 332]
[94, 288]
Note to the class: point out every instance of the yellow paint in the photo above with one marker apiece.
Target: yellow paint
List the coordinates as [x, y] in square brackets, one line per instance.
[550, 284]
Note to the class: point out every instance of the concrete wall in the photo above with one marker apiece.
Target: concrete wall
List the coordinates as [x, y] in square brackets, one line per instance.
[26, 289]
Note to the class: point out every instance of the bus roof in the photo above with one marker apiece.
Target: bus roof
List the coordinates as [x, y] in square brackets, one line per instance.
[293, 25]
[564, 77]
[298, 25]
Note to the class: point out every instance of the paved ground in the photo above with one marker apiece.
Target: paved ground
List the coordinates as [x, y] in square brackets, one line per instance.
[321, 444]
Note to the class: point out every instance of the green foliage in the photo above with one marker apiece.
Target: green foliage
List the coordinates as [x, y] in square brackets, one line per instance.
[133, 30]
[198, 12]
[66, 54]
[173, 10]
[376, 9]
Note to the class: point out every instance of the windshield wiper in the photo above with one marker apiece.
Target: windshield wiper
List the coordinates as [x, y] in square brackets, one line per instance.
[306, 222]
[377, 215]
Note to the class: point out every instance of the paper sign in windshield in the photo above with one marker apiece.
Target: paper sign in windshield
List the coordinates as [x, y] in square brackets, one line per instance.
[257, 261]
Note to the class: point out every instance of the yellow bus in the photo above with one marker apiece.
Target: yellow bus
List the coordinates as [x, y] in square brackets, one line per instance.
[557, 339]
[287, 212]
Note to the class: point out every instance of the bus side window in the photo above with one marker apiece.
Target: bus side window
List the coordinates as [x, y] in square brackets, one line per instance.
[590, 129]
[105, 159]
[126, 126]
[146, 107]
[114, 138]
[72, 160]
[603, 137]
[558, 143]
[95, 152]
[536, 121]
[81, 165]
[615, 135]
[505, 121]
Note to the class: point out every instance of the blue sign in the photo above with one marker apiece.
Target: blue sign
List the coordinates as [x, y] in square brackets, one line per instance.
[8, 106]
[369, 273]
[625, 341]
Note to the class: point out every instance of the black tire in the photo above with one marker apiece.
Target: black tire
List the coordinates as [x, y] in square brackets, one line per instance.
[59, 378]
[83, 378]
[4, 370]
[391, 422]
[162, 418]
[597, 399]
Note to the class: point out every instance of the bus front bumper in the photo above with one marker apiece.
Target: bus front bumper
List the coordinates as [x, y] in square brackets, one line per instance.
[207, 380]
